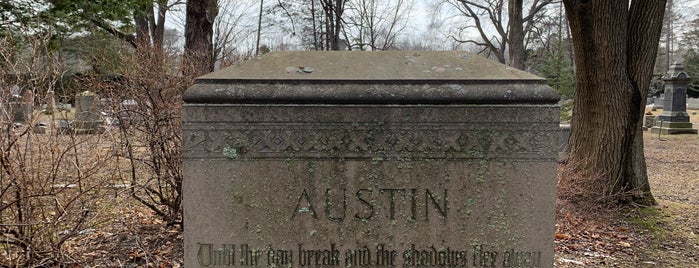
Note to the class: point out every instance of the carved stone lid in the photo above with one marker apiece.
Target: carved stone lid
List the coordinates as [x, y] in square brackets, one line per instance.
[375, 65]
[378, 77]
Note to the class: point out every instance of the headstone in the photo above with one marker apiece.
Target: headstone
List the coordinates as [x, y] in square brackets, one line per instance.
[87, 117]
[563, 137]
[40, 127]
[658, 103]
[369, 159]
[692, 104]
[129, 112]
[20, 106]
[648, 121]
[19, 111]
[50, 102]
[674, 118]
[65, 107]
[28, 104]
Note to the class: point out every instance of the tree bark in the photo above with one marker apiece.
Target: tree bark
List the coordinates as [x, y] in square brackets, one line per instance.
[150, 33]
[198, 32]
[158, 25]
[516, 34]
[333, 25]
[259, 28]
[339, 9]
[315, 29]
[614, 45]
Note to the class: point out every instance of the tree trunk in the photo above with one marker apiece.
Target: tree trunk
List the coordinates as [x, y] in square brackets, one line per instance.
[516, 34]
[198, 32]
[159, 25]
[149, 36]
[143, 32]
[329, 25]
[315, 29]
[339, 9]
[614, 46]
[259, 28]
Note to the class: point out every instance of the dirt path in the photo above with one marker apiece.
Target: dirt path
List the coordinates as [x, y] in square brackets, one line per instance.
[666, 235]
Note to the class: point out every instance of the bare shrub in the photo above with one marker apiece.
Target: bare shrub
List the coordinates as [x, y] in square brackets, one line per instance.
[50, 180]
[146, 110]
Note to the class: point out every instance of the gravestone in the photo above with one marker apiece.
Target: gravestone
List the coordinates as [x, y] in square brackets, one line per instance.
[648, 121]
[674, 118]
[19, 106]
[50, 100]
[18, 110]
[563, 138]
[692, 104]
[87, 117]
[369, 159]
[658, 103]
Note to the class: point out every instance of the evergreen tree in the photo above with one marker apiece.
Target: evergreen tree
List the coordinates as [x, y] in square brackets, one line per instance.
[556, 68]
[691, 66]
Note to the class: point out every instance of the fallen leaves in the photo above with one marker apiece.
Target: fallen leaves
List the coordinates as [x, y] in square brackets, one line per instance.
[563, 236]
[607, 239]
[132, 236]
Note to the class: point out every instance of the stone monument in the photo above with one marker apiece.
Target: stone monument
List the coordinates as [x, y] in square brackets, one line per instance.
[19, 107]
[19, 110]
[369, 159]
[87, 117]
[674, 118]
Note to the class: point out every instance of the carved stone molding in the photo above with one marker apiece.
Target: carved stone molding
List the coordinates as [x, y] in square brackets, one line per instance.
[349, 141]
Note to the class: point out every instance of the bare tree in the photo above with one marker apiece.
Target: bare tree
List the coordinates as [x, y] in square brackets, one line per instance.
[232, 29]
[674, 24]
[149, 18]
[333, 11]
[259, 28]
[288, 24]
[506, 18]
[376, 25]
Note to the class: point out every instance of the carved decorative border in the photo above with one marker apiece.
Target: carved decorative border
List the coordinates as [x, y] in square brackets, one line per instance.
[261, 141]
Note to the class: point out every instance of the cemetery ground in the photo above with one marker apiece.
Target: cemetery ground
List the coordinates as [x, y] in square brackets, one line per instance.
[127, 234]
[666, 235]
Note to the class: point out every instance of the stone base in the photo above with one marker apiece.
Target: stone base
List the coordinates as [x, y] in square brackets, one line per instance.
[671, 128]
[81, 131]
[39, 129]
[87, 127]
[648, 121]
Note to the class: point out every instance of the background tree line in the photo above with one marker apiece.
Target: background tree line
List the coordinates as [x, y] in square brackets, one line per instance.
[531, 35]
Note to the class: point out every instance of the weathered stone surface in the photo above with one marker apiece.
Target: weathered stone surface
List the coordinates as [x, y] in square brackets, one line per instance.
[674, 115]
[87, 117]
[345, 174]
[19, 111]
[370, 78]
[563, 136]
[376, 66]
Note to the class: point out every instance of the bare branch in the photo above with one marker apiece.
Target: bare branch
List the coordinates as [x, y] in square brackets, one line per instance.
[129, 38]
